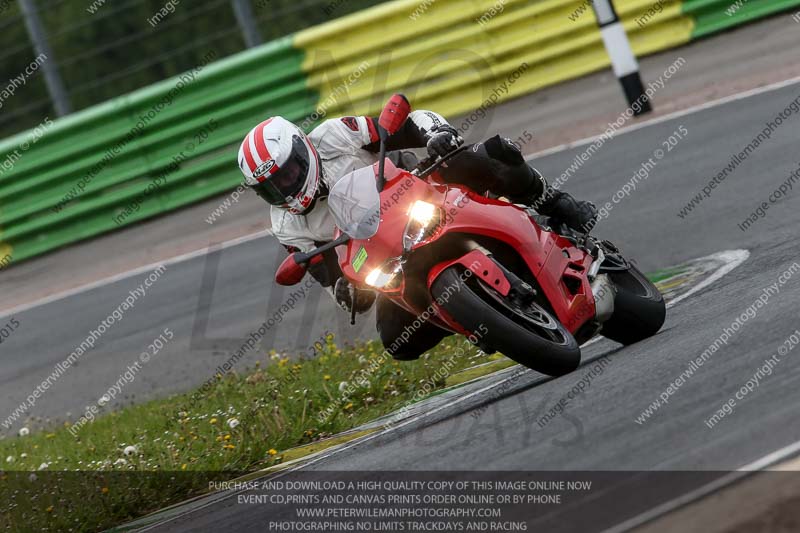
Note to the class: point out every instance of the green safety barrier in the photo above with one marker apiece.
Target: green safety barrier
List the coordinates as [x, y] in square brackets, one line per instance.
[106, 157]
[174, 143]
[712, 16]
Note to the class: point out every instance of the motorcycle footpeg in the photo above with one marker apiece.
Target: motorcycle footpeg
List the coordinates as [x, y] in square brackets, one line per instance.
[590, 246]
[609, 246]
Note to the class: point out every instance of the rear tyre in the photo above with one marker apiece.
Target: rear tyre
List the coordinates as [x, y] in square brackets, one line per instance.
[639, 309]
[530, 336]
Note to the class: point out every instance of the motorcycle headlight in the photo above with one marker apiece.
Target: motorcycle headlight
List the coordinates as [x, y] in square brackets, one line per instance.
[423, 219]
[387, 276]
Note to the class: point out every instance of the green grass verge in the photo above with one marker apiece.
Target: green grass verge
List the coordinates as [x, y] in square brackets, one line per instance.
[661, 275]
[246, 422]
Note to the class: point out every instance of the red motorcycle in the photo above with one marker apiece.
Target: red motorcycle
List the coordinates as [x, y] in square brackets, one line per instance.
[533, 289]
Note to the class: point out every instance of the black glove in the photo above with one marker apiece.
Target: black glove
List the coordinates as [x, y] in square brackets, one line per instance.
[344, 292]
[443, 140]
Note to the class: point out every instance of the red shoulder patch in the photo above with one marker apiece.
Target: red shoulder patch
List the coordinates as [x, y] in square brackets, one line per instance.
[351, 123]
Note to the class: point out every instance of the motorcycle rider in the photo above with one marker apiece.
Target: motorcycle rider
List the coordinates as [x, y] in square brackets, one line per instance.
[293, 172]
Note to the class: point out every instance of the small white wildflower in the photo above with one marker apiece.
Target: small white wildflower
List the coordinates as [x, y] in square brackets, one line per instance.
[23, 455]
[10, 459]
[129, 450]
[43, 466]
[342, 386]
[24, 432]
[120, 462]
[232, 423]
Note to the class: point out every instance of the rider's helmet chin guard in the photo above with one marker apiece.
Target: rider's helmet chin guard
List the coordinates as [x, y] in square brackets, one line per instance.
[281, 165]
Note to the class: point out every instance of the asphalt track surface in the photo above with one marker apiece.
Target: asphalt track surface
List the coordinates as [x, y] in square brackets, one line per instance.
[598, 431]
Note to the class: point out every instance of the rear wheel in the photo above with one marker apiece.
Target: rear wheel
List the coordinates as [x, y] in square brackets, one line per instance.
[639, 308]
[528, 334]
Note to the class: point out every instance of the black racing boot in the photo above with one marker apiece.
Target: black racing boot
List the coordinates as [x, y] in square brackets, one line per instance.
[578, 215]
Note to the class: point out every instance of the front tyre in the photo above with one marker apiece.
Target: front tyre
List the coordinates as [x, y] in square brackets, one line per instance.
[530, 336]
[639, 308]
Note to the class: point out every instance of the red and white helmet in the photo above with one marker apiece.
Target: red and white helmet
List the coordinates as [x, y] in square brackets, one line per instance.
[280, 164]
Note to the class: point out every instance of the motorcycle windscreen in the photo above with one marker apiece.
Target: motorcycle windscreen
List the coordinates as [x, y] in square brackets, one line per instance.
[355, 204]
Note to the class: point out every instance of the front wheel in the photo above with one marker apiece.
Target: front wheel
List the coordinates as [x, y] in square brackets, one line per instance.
[529, 335]
[639, 308]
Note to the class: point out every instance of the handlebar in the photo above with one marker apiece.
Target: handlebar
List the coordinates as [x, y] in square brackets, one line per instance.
[428, 165]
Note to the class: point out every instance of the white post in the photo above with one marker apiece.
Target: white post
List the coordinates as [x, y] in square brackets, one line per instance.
[624, 63]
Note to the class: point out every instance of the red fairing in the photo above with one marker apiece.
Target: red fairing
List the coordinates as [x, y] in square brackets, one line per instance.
[481, 266]
[560, 268]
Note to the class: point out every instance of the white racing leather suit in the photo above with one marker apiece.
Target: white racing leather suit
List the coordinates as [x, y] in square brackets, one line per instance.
[341, 145]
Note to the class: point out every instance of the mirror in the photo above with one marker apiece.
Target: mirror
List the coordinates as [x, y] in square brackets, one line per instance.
[394, 113]
[290, 272]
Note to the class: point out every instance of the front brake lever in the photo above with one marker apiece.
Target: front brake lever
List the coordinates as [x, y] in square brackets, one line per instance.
[425, 167]
[422, 165]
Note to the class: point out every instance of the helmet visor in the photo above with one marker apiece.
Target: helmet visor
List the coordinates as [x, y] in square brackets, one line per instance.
[283, 185]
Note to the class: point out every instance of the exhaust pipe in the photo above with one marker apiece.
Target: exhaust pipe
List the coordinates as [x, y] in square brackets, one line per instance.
[604, 292]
